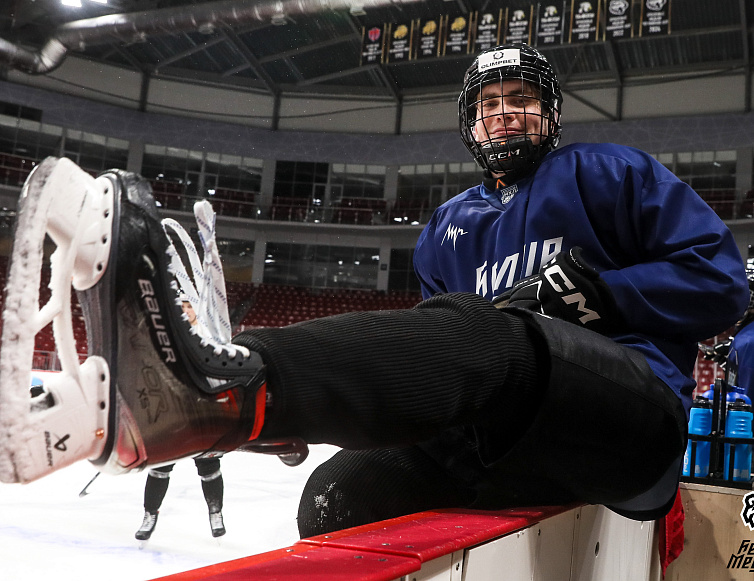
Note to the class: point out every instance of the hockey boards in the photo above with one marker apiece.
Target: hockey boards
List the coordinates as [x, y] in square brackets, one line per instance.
[68, 422]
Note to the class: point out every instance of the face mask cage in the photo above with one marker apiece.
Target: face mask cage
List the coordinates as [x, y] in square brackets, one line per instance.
[510, 118]
[506, 111]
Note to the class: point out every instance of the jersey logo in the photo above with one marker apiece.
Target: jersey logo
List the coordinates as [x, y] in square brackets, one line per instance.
[506, 195]
[452, 233]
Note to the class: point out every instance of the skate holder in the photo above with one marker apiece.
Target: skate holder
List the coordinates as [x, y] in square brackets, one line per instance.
[75, 210]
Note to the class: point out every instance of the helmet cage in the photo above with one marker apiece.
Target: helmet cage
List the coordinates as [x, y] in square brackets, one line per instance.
[537, 93]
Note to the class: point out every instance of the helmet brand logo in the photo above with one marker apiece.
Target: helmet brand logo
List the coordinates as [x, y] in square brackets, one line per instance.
[507, 57]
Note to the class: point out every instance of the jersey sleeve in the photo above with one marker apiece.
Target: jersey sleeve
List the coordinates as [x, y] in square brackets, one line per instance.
[678, 260]
[426, 266]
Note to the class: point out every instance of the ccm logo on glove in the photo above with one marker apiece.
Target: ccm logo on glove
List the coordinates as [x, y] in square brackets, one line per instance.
[553, 274]
[569, 289]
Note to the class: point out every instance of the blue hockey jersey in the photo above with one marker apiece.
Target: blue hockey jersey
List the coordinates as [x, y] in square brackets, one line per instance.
[671, 263]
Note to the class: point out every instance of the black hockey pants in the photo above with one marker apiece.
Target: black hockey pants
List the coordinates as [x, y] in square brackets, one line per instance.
[456, 403]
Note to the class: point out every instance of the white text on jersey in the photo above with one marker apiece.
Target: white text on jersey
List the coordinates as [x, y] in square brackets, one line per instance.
[546, 250]
[452, 233]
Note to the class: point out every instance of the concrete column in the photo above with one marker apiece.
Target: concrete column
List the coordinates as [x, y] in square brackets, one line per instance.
[384, 272]
[267, 186]
[135, 156]
[260, 253]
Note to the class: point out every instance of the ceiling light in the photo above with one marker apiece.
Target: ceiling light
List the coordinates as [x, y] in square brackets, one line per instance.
[74, 3]
[358, 10]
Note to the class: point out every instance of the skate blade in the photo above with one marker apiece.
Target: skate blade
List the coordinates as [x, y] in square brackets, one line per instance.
[75, 210]
[291, 452]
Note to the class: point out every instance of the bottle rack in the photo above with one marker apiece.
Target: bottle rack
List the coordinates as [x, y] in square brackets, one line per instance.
[718, 439]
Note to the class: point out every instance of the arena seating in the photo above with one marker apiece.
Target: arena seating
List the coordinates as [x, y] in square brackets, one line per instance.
[288, 209]
[278, 306]
[236, 203]
[259, 306]
[169, 195]
[409, 212]
[359, 211]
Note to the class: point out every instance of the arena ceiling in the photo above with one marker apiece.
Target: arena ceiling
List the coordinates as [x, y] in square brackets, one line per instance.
[315, 46]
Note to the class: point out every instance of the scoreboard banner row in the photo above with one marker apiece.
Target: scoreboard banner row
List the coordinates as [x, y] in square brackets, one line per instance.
[539, 24]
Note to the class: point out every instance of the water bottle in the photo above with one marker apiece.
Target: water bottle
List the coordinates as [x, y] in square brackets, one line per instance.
[738, 425]
[736, 393]
[700, 424]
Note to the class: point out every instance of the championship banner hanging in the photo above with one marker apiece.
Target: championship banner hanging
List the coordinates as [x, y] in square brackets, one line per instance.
[487, 30]
[399, 37]
[371, 45]
[585, 17]
[655, 17]
[428, 38]
[550, 23]
[518, 24]
[457, 35]
[618, 23]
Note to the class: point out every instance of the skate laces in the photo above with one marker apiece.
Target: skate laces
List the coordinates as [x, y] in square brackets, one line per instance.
[149, 521]
[205, 290]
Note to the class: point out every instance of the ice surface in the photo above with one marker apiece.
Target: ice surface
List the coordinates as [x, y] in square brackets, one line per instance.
[48, 532]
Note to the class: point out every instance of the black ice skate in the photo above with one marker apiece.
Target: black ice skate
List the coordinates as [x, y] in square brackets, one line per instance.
[151, 390]
[216, 524]
[147, 526]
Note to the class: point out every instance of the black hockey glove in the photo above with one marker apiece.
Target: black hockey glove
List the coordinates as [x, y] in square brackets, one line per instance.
[569, 289]
[717, 352]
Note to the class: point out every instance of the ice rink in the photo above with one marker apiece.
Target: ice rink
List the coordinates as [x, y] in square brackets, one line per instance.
[48, 532]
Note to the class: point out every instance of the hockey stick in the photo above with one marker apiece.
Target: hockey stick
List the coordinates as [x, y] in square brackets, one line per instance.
[84, 491]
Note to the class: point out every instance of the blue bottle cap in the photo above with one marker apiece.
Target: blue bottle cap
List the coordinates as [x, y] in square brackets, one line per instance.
[734, 396]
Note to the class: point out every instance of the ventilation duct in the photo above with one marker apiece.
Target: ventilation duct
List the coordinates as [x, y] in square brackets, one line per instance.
[136, 26]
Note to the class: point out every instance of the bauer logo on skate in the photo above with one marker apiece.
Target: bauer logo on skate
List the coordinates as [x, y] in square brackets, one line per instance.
[59, 445]
[155, 316]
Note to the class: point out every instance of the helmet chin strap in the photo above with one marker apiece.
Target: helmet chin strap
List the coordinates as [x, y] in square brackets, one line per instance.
[515, 157]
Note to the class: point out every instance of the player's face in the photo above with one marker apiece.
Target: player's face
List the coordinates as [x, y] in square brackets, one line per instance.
[189, 310]
[506, 110]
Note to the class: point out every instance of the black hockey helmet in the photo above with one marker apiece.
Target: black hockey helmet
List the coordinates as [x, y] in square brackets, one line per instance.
[519, 155]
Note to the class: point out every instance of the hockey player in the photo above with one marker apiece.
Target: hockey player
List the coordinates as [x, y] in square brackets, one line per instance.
[156, 487]
[573, 387]
[158, 479]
